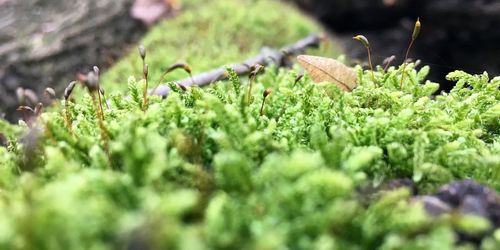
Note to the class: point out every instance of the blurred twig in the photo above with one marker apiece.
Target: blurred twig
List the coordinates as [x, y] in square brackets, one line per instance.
[267, 56]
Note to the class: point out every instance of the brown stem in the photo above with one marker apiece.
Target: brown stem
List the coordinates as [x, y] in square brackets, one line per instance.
[404, 63]
[67, 115]
[145, 71]
[101, 110]
[158, 82]
[172, 68]
[371, 65]
[249, 94]
[262, 106]
[101, 91]
[145, 96]
[388, 62]
[264, 95]
[102, 127]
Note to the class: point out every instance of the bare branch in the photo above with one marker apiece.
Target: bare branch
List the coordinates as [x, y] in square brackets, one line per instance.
[266, 57]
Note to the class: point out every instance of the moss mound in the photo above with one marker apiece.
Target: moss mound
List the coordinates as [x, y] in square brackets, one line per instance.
[208, 169]
[204, 169]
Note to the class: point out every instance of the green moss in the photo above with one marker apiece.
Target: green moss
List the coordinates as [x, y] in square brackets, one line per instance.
[212, 33]
[203, 168]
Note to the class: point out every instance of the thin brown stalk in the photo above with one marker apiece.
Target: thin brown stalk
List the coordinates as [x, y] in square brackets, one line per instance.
[404, 64]
[414, 35]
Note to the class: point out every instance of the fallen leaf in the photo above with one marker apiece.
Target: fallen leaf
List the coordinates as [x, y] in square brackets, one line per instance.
[322, 69]
[151, 11]
[390, 3]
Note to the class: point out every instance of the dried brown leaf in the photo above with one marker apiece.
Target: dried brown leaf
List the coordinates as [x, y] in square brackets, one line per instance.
[151, 11]
[322, 69]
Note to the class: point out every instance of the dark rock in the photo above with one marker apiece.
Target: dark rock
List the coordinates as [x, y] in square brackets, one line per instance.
[473, 205]
[456, 34]
[456, 192]
[433, 205]
[455, 199]
[46, 43]
[464, 197]
[471, 197]
[400, 183]
[369, 193]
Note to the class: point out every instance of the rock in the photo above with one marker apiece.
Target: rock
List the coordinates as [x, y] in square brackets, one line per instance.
[433, 205]
[45, 43]
[400, 183]
[464, 198]
[473, 205]
[470, 197]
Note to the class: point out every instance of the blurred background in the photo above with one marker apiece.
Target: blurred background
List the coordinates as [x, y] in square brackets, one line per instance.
[47, 42]
[456, 34]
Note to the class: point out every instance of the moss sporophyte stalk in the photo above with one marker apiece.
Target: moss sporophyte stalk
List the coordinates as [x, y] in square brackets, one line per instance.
[416, 32]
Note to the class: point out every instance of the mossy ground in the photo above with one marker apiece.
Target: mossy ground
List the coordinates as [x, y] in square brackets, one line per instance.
[204, 169]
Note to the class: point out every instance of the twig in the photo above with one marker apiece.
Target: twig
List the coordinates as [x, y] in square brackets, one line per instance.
[267, 56]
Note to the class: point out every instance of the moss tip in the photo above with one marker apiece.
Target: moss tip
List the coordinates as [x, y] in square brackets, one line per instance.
[363, 40]
[416, 29]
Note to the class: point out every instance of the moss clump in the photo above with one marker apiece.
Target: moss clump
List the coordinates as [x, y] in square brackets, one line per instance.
[203, 169]
[211, 33]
